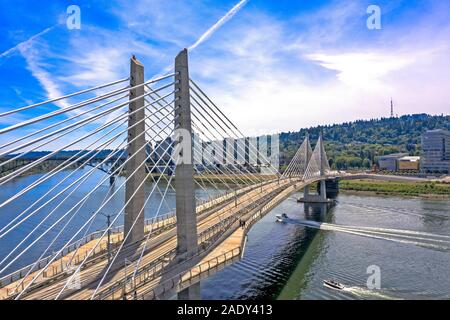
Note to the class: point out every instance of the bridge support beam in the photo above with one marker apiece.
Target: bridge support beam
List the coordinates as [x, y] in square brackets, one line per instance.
[184, 172]
[135, 194]
[323, 191]
[306, 192]
[315, 198]
[191, 293]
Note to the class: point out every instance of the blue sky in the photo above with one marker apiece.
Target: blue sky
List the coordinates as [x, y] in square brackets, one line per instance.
[273, 66]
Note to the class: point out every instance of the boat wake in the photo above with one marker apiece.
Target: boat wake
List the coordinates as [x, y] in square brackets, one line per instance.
[365, 293]
[422, 239]
[382, 209]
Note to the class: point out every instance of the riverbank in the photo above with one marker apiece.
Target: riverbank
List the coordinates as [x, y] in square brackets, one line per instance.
[41, 168]
[221, 179]
[434, 190]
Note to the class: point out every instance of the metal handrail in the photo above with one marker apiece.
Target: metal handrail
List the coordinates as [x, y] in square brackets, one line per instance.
[209, 235]
[19, 274]
[179, 279]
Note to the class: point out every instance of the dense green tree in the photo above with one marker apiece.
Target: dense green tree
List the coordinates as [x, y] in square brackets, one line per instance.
[358, 144]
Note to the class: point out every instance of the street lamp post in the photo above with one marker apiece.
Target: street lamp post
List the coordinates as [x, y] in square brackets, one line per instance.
[109, 237]
[108, 221]
[126, 264]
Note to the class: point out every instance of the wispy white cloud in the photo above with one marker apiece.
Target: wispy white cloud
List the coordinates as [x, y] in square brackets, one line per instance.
[97, 55]
[20, 95]
[24, 44]
[96, 66]
[218, 24]
[271, 75]
[211, 30]
[362, 70]
[37, 68]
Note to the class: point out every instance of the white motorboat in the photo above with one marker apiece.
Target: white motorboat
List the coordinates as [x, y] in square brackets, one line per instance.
[333, 284]
[281, 217]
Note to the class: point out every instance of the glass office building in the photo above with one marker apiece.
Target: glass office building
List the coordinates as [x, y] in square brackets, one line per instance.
[436, 151]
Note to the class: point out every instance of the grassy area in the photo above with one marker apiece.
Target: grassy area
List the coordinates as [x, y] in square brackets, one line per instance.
[422, 189]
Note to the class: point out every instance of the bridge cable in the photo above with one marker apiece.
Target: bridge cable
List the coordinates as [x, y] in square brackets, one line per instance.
[240, 135]
[8, 178]
[92, 217]
[70, 209]
[104, 233]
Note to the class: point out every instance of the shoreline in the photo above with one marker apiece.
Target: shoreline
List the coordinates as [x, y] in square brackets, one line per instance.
[391, 194]
[412, 190]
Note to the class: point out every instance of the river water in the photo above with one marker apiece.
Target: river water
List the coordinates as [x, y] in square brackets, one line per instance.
[35, 225]
[281, 260]
[290, 261]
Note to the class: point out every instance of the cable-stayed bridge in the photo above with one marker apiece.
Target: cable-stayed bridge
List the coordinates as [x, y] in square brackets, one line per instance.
[177, 182]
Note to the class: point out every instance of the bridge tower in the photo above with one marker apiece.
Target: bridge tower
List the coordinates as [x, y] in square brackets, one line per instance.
[308, 153]
[184, 172]
[322, 157]
[318, 167]
[134, 188]
[299, 163]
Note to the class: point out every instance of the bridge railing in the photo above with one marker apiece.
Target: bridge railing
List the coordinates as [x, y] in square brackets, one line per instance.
[170, 258]
[185, 279]
[214, 233]
[228, 195]
[216, 230]
[19, 274]
[158, 266]
[161, 223]
[206, 239]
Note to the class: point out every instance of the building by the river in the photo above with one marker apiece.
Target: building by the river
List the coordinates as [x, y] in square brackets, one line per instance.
[436, 151]
[408, 163]
[389, 162]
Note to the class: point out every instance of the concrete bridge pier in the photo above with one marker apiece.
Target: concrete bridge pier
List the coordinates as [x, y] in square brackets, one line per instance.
[184, 171]
[323, 191]
[306, 192]
[316, 211]
[332, 188]
[321, 197]
[191, 293]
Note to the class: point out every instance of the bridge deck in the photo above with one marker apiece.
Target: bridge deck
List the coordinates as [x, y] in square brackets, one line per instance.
[159, 263]
[228, 249]
[213, 220]
[59, 265]
[159, 246]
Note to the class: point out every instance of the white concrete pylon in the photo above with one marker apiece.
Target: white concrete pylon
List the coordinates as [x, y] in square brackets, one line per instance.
[318, 164]
[298, 165]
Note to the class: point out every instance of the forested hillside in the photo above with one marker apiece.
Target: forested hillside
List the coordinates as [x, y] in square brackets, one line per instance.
[357, 144]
